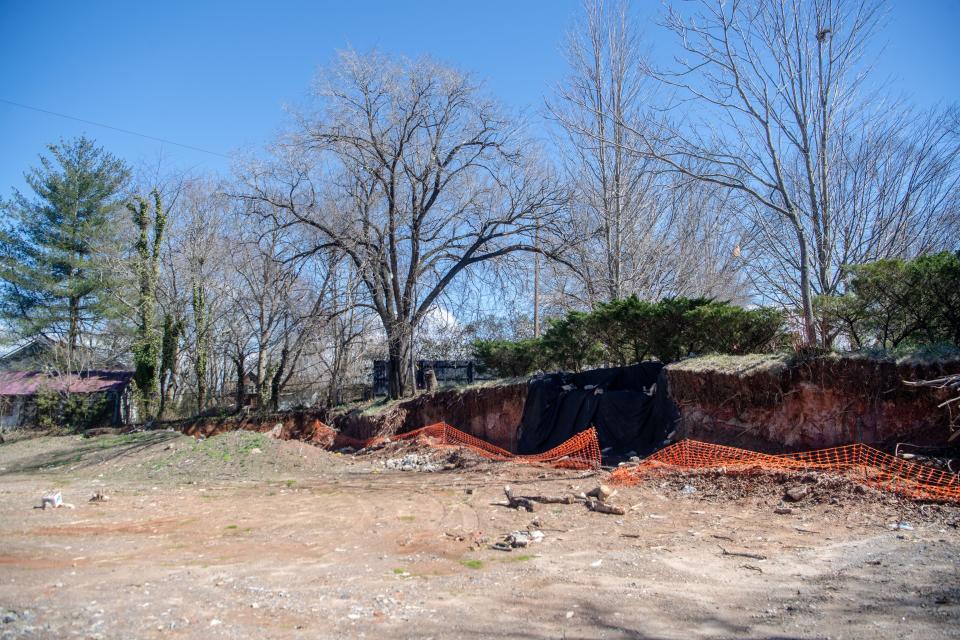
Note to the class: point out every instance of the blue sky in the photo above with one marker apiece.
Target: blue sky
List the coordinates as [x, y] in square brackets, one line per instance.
[216, 74]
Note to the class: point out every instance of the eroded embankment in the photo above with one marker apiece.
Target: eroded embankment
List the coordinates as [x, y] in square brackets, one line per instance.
[491, 413]
[287, 425]
[777, 403]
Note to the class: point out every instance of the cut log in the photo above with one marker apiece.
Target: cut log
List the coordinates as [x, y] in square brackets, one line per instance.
[602, 493]
[601, 507]
[517, 502]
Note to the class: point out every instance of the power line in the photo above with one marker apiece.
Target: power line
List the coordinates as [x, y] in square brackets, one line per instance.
[107, 126]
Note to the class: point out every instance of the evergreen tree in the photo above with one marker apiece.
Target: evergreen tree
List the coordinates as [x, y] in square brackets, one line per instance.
[53, 280]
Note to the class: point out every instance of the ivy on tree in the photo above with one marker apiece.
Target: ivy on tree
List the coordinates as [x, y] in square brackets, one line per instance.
[146, 348]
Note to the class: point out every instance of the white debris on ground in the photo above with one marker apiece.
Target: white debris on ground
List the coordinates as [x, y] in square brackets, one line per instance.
[54, 500]
[413, 462]
[518, 540]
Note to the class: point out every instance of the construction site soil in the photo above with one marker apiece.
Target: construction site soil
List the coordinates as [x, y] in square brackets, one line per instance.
[244, 536]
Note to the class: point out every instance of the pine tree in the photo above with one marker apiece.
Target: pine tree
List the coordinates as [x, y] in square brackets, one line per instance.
[53, 280]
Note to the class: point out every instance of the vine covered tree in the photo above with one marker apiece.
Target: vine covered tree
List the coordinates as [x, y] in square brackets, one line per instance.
[148, 343]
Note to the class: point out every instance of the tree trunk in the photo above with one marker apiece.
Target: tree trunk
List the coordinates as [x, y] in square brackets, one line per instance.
[399, 349]
[73, 334]
[806, 296]
[240, 394]
[333, 389]
[276, 383]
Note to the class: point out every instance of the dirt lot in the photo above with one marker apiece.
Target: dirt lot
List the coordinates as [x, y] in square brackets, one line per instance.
[241, 536]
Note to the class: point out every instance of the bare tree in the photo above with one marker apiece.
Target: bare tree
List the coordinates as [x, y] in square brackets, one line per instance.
[642, 231]
[611, 186]
[894, 187]
[345, 335]
[196, 280]
[776, 83]
[412, 175]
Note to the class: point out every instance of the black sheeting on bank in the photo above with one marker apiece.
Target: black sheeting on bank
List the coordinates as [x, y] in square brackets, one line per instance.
[617, 401]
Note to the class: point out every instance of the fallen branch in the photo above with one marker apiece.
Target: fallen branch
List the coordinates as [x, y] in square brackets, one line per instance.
[549, 499]
[742, 554]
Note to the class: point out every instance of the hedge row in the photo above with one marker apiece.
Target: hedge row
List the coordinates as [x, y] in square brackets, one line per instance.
[631, 330]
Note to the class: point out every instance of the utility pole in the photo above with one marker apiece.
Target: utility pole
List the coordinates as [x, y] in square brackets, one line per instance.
[536, 283]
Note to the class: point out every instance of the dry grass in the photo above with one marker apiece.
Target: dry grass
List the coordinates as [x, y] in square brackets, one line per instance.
[758, 363]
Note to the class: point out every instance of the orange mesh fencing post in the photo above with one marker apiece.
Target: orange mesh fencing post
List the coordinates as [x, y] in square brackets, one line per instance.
[858, 462]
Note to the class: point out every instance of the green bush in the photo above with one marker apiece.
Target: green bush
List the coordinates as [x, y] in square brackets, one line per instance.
[47, 402]
[571, 343]
[624, 328]
[630, 330]
[891, 304]
[508, 358]
[74, 411]
[725, 328]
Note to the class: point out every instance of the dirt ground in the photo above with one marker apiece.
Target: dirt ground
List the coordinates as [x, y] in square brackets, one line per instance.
[242, 536]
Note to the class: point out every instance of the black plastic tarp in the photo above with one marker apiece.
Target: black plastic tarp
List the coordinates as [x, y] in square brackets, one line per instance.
[629, 406]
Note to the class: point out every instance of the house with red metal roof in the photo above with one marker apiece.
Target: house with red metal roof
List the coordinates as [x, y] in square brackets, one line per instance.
[107, 392]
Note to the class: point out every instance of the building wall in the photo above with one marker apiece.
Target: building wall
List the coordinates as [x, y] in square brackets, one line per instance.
[11, 411]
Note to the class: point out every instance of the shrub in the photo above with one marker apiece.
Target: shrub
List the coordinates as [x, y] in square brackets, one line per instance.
[571, 343]
[75, 411]
[47, 403]
[508, 358]
[895, 303]
[624, 328]
[631, 330]
[725, 328]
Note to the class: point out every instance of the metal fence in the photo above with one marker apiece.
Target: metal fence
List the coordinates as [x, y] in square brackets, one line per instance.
[447, 372]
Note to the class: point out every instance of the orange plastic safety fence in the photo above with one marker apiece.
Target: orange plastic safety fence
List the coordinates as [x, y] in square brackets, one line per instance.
[857, 461]
[579, 452]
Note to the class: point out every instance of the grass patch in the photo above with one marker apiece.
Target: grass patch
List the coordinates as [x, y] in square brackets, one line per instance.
[141, 437]
[231, 526]
[406, 518]
[472, 564]
[518, 558]
[63, 461]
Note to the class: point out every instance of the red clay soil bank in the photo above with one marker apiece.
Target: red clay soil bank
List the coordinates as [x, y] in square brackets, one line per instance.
[490, 413]
[775, 405]
[294, 425]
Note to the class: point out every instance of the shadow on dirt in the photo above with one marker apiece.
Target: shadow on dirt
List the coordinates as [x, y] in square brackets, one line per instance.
[78, 453]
